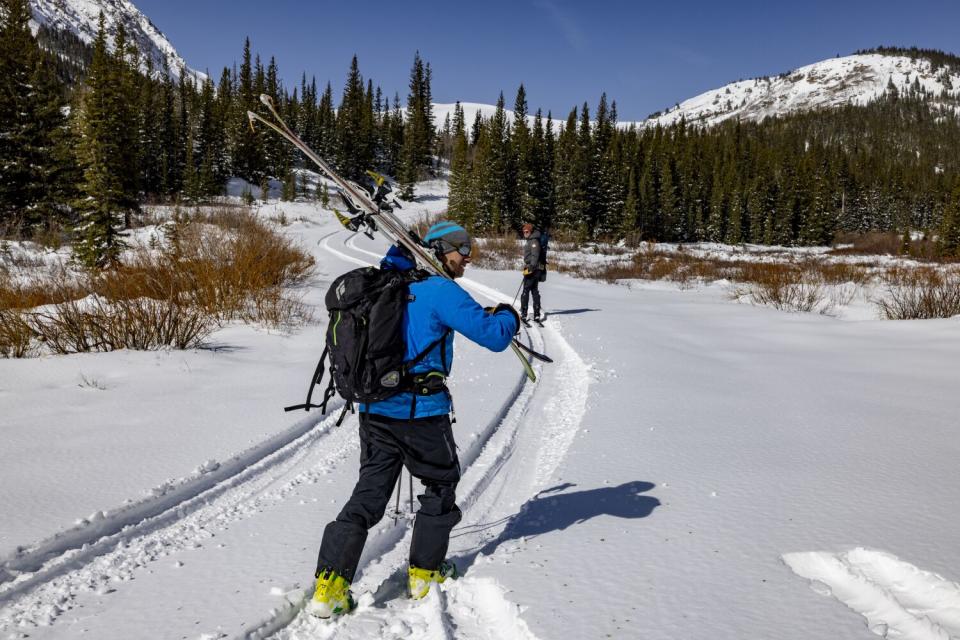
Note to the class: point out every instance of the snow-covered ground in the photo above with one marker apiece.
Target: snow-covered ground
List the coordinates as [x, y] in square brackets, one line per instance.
[688, 467]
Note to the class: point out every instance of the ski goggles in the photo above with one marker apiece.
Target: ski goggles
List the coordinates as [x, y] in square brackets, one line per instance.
[465, 249]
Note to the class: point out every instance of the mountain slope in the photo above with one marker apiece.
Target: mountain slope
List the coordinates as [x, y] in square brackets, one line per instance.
[81, 17]
[855, 79]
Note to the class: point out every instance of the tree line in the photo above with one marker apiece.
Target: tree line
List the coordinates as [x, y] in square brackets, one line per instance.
[88, 132]
[891, 165]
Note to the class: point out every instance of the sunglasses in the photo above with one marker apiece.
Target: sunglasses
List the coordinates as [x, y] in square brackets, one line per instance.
[464, 249]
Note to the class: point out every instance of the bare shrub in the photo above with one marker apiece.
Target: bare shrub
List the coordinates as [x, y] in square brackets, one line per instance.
[237, 270]
[841, 272]
[16, 336]
[497, 252]
[98, 324]
[219, 266]
[785, 287]
[920, 294]
[841, 295]
[58, 287]
[870, 243]
[885, 243]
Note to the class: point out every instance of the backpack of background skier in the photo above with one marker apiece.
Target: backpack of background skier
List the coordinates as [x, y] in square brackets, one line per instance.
[544, 240]
[365, 341]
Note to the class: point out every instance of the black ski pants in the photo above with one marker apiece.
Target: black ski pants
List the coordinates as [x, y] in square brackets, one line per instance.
[531, 284]
[425, 446]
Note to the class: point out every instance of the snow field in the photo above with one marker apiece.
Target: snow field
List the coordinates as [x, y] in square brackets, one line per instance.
[658, 477]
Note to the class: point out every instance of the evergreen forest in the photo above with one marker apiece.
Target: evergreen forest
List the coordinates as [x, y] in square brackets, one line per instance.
[90, 132]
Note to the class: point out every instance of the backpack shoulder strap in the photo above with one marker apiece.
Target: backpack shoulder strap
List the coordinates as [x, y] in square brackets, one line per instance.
[441, 341]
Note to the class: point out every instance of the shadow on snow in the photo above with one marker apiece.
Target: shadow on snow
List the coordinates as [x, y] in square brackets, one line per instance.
[552, 510]
[567, 312]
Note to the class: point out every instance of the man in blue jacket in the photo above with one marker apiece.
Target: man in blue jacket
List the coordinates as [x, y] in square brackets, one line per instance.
[413, 429]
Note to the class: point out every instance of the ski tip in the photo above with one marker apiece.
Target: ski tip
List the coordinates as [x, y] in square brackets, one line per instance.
[266, 100]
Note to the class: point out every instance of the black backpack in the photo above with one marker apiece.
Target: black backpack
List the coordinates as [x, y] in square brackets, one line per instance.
[365, 340]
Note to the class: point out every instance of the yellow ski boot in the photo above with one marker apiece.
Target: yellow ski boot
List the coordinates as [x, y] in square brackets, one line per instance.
[419, 580]
[332, 596]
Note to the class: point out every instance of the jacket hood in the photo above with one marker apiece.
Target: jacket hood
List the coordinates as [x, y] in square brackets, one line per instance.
[397, 260]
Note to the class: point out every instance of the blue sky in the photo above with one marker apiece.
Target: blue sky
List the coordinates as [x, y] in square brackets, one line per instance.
[645, 55]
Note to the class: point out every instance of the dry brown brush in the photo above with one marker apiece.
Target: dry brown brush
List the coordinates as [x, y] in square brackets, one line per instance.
[920, 294]
[220, 266]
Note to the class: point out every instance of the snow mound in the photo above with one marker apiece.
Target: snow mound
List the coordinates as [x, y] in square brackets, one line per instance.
[897, 599]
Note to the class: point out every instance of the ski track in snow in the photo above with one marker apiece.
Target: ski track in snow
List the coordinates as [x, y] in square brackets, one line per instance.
[474, 608]
[191, 520]
[897, 599]
[31, 558]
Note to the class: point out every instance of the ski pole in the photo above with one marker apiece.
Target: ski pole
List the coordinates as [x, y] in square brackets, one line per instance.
[514, 303]
[410, 476]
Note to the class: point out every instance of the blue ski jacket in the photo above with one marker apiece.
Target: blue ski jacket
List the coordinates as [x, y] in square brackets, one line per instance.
[438, 305]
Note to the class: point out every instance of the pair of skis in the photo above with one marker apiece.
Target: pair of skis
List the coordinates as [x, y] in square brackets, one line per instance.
[373, 213]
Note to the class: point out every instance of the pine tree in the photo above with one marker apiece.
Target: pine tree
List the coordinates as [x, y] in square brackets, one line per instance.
[568, 180]
[353, 154]
[950, 227]
[149, 139]
[548, 210]
[327, 125]
[247, 152]
[460, 205]
[631, 208]
[126, 78]
[522, 160]
[167, 136]
[33, 138]
[104, 202]
[418, 132]
[587, 170]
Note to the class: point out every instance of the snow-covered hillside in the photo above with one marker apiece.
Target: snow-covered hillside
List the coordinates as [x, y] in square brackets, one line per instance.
[81, 17]
[470, 109]
[855, 79]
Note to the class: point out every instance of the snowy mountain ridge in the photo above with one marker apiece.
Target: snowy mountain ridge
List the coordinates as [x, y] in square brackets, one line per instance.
[81, 18]
[855, 79]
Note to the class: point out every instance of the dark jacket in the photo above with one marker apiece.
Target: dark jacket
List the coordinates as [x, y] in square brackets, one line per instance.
[531, 253]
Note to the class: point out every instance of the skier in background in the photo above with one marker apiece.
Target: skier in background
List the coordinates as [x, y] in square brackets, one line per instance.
[413, 429]
[534, 271]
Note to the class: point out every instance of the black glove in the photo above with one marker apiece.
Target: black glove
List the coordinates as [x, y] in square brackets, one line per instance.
[503, 306]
